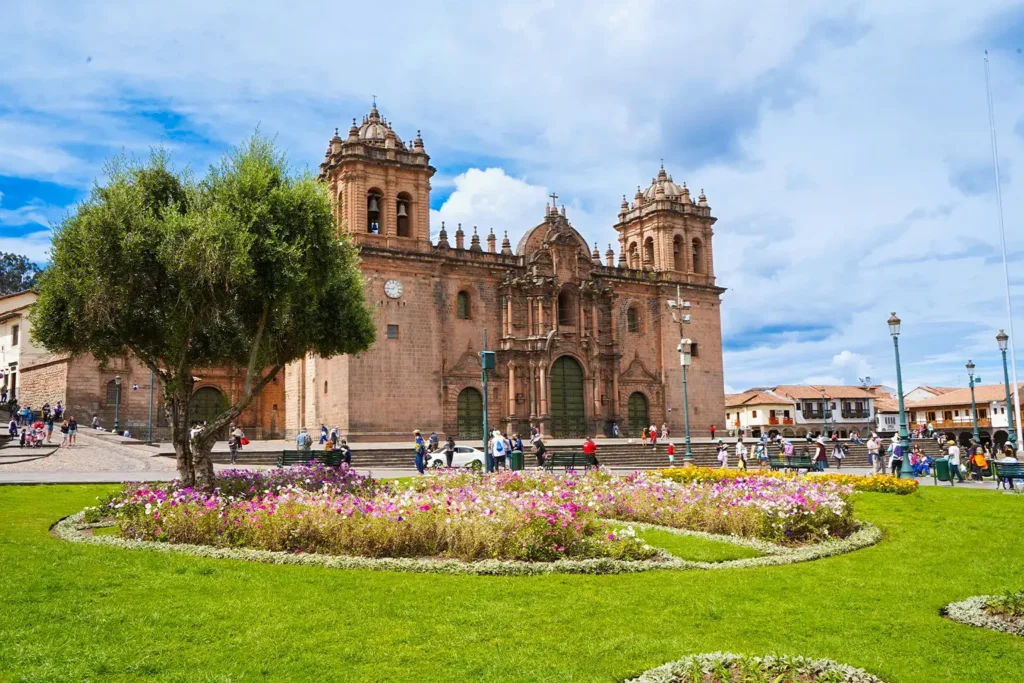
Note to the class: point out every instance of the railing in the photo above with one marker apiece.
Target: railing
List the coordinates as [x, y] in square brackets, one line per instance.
[787, 420]
[773, 420]
[856, 414]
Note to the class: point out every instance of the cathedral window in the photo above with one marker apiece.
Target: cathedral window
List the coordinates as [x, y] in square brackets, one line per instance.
[374, 204]
[403, 216]
[462, 306]
[634, 256]
[633, 319]
[678, 254]
[112, 393]
[392, 331]
[649, 252]
[698, 256]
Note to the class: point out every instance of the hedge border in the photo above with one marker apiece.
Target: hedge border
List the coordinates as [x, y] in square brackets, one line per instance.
[972, 613]
[673, 671]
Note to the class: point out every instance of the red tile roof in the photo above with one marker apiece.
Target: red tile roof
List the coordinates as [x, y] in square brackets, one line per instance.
[983, 393]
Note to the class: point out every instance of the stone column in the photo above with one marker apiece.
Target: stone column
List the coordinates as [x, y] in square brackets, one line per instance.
[508, 317]
[533, 391]
[530, 331]
[511, 388]
[543, 389]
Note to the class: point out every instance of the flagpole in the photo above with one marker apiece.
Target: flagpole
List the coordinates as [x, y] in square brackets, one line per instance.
[1002, 240]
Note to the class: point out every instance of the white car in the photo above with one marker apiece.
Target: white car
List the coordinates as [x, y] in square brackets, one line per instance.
[465, 456]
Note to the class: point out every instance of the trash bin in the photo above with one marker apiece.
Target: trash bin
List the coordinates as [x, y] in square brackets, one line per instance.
[517, 460]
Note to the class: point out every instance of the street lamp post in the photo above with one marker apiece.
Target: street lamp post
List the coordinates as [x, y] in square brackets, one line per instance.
[487, 362]
[679, 306]
[974, 406]
[906, 468]
[117, 404]
[1011, 410]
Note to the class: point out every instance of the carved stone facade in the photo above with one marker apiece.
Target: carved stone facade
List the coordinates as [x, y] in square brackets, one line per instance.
[580, 344]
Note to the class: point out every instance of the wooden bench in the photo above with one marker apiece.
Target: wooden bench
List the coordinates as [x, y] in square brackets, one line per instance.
[569, 461]
[796, 462]
[1007, 470]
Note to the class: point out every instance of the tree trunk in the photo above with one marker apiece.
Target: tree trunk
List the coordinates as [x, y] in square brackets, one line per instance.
[203, 464]
[176, 402]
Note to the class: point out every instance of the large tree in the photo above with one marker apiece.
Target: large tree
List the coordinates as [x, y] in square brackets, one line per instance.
[17, 273]
[243, 268]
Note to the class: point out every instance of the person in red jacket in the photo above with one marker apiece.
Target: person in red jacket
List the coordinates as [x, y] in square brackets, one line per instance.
[712, 430]
[590, 449]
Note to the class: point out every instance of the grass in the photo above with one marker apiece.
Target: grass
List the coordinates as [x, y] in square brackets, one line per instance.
[693, 547]
[75, 613]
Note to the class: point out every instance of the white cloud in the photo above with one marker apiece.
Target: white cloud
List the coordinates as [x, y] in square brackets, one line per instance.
[35, 245]
[828, 167]
[36, 212]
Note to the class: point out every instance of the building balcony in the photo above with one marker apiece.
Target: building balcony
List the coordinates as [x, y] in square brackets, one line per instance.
[773, 420]
[856, 414]
[787, 420]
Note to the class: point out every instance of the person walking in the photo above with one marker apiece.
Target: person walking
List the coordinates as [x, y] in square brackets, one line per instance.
[654, 437]
[303, 441]
[671, 450]
[643, 437]
[72, 431]
[761, 453]
[498, 451]
[840, 454]
[63, 433]
[712, 430]
[820, 458]
[234, 441]
[590, 450]
[741, 454]
[538, 448]
[723, 455]
[896, 458]
[323, 435]
[49, 427]
[615, 430]
[420, 450]
[873, 460]
[449, 451]
[953, 453]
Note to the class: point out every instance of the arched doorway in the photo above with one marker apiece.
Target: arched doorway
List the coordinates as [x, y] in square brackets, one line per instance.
[568, 418]
[1000, 438]
[964, 438]
[638, 416]
[207, 403]
[470, 414]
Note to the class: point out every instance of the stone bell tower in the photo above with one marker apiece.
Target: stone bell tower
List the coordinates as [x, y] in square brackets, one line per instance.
[664, 230]
[380, 186]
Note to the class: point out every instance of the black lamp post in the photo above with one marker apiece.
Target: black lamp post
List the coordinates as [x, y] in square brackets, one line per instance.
[117, 405]
[906, 468]
[1003, 339]
[974, 406]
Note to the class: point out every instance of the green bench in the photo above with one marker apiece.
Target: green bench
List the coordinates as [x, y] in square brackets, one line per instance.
[796, 462]
[330, 458]
[570, 461]
[1007, 470]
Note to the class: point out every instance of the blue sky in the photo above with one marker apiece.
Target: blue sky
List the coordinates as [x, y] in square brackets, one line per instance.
[844, 146]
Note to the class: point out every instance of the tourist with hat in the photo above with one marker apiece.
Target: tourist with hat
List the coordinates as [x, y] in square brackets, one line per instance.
[953, 451]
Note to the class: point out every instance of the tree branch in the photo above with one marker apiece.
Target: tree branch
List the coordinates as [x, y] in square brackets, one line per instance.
[254, 354]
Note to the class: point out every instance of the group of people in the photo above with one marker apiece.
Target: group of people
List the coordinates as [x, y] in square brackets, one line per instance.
[39, 432]
[330, 440]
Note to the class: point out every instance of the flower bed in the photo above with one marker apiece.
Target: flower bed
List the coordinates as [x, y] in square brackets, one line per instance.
[723, 667]
[512, 517]
[879, 483]
[997, 612]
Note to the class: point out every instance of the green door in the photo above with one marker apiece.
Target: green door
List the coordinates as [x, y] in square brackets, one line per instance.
[638, 417]
[470, 414]
[567, 415]
[207, 403]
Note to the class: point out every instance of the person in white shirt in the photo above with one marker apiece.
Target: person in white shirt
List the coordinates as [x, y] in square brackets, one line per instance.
[954, 460]
[876, 462]
[741, 454]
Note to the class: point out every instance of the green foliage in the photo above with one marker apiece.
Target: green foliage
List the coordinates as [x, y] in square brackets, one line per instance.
[17, 273]
[1008, 604]
[182, 272]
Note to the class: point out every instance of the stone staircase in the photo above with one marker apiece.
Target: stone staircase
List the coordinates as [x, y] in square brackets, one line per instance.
[619, 454]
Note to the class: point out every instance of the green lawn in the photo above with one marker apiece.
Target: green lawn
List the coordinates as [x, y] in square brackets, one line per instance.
[693, 548]
[76, 613]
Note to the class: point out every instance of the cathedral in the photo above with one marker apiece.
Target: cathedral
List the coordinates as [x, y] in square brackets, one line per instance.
[582, 343]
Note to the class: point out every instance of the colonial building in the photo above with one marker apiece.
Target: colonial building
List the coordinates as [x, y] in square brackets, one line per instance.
[950, 412]
[796, 409]
[759, 411]
[120, 388]
[581, 343]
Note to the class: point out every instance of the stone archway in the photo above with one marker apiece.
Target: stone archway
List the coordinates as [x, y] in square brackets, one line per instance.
[639, 415]
[207, 403]
[568, 414]
[470, 414]
[964, 439]
[1000, 437]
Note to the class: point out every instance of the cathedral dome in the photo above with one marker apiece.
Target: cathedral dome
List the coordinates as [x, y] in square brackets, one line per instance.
[376, 130]
[664, 182]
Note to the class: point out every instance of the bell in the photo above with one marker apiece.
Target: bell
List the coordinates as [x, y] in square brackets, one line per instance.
[402, 213]
[373, 205]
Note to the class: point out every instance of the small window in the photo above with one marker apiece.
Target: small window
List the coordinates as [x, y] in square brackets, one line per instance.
[15, 329]
[462, 306]
[753, 413]
[693, 349]
[727, 416]
[632, 320]
[392, 331]
[111, 397]
[785, 414]
[325, 386]
[982, 413]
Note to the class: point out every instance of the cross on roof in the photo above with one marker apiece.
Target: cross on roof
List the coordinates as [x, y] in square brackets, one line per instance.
[554, 197]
